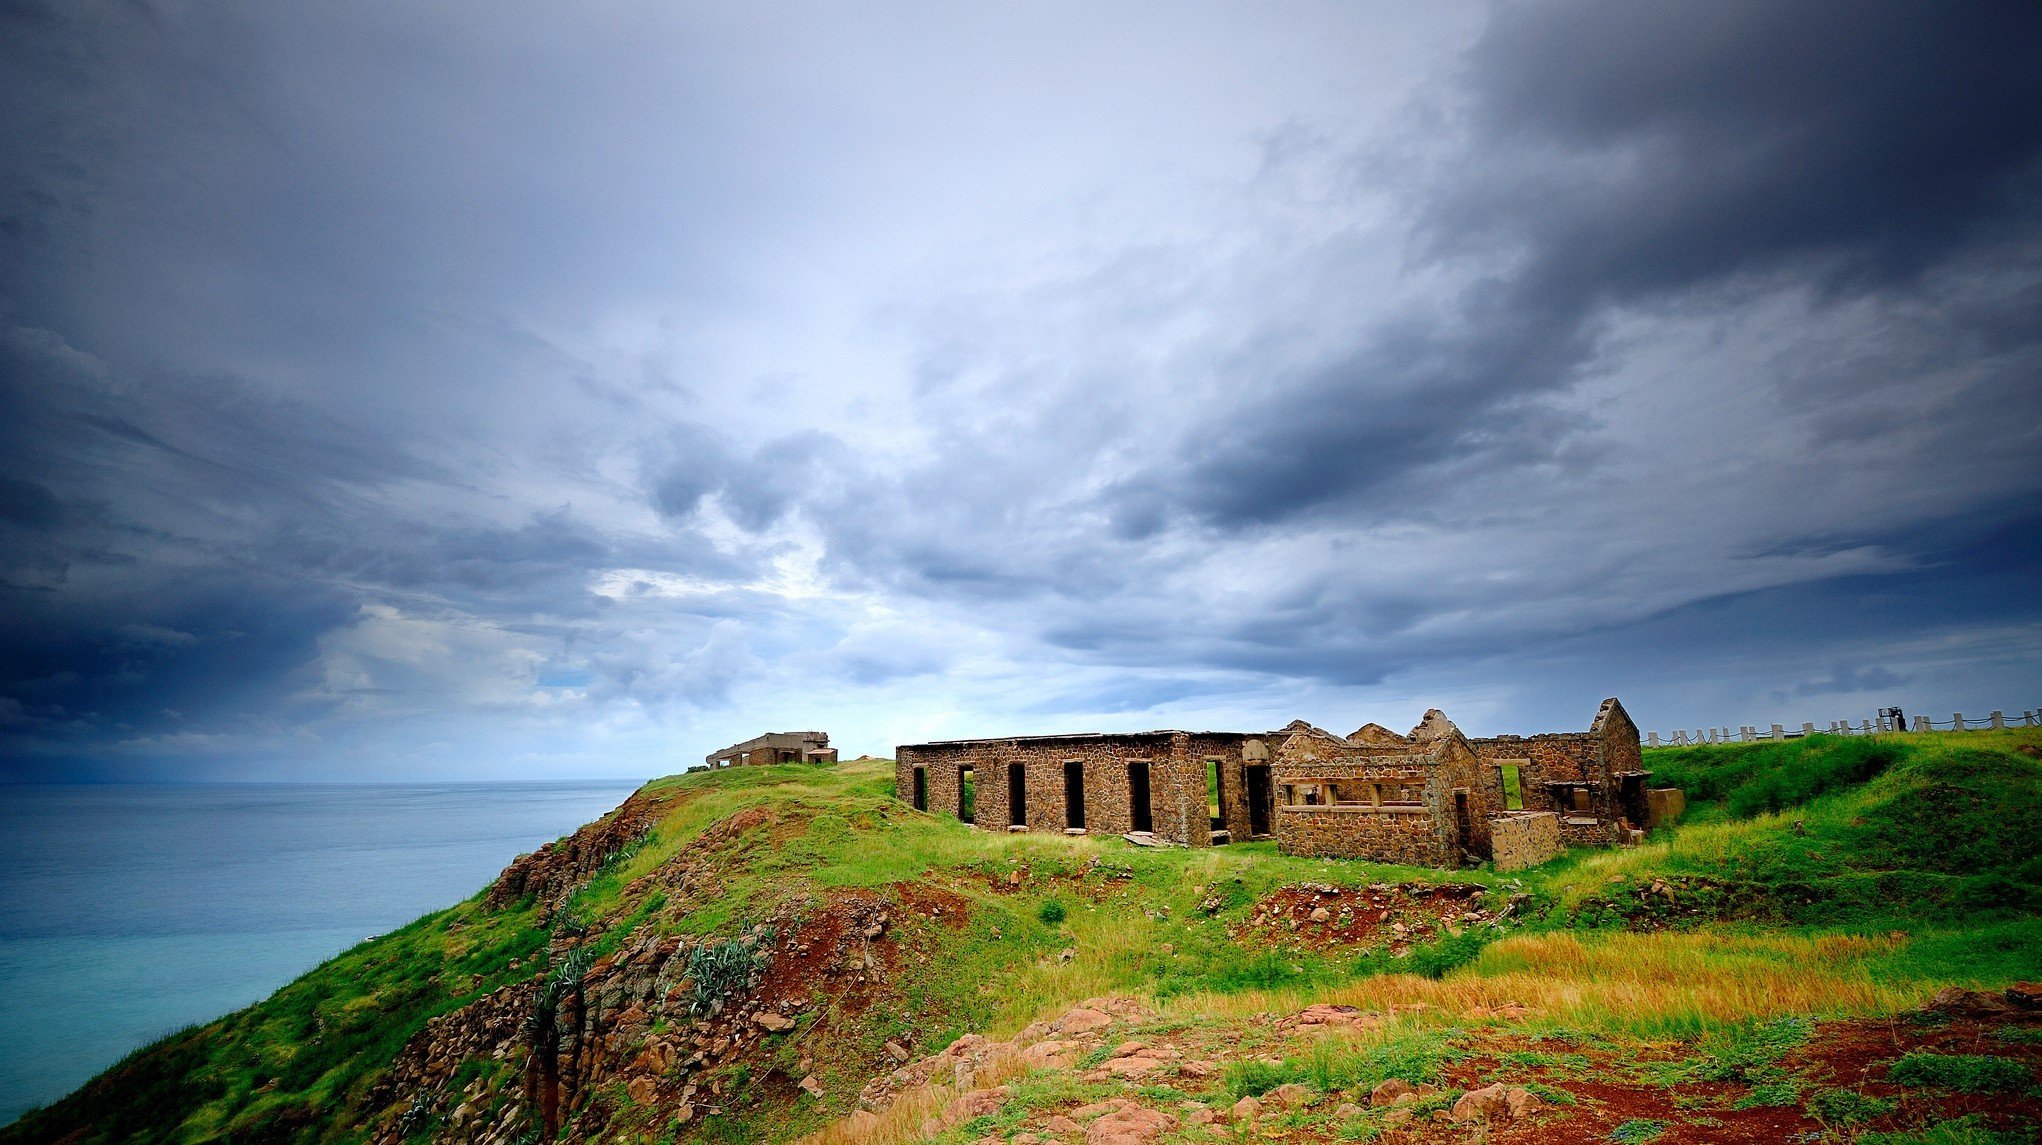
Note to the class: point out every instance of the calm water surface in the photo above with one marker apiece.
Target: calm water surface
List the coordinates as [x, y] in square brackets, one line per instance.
[129, 912]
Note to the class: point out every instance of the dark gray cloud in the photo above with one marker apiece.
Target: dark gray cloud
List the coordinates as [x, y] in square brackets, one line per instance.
[410, 388]
[1656, 155]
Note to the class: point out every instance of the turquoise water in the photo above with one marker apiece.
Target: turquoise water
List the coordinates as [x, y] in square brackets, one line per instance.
[130, 912]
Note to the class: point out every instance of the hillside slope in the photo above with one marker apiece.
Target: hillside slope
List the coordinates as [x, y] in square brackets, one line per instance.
[760, 953]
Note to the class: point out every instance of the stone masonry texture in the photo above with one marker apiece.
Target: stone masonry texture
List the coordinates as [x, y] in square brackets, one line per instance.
[1432, 797]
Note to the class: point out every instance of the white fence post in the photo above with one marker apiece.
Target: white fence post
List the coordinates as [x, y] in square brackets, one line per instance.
[1651, 739]
[1921, 724]
[1999, 719]
[1957, 722]
[1779, 732]
[1807, 729]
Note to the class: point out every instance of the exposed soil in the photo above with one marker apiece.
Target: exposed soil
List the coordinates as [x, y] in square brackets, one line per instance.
[1324, 917]
[1120, 1059]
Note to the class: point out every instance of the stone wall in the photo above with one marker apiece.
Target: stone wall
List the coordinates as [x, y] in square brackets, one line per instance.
[1368, 820]
[1411, 835]
[1599, 758]
[1666, 804]
[775, 747]
[1523, 839]
[1175, 760]
[1585, 831]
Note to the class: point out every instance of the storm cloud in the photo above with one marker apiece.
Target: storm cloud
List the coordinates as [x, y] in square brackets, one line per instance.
[401, 389]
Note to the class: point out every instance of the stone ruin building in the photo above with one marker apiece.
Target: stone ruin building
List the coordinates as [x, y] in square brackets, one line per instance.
[1432, 797]
[1192, 788]
[776, 747]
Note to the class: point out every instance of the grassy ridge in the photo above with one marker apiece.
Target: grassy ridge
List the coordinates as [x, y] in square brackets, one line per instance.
[1907, 829]
[1833, 844]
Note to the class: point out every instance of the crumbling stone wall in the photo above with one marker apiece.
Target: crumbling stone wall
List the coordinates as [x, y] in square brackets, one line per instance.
[1523, 839]
[1603, 759]
[1412, 836]
[1444, 772]
[1175, 762]
[1665, 805]
[775, 747]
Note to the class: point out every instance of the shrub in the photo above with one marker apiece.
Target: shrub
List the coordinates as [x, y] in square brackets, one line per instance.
[1847, 1106]
[1052, 913]
[1431, 960]
[1971, 1073]
[1967, 1130]
[1637, 1131]
[718, 970]
[1253, 1077]
[1770, 1093]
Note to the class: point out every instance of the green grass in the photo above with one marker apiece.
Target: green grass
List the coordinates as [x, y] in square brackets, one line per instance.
[1848, 1106]
[1893, 830]
[1967, 1130]
[1335, 1063]
[1809, 842]
[1969, 1073]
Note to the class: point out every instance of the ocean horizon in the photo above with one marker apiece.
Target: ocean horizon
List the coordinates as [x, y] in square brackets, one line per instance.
[130, 911]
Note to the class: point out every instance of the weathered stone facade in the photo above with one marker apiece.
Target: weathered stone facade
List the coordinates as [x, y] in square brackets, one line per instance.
[776, 747]
[1425, 799]
[1431, 798]
[1155, 782]
[1664, 805]
[1595, 781]
[1520, 839]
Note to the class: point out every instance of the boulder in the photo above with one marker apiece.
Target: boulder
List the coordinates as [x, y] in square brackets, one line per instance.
[1245, 1111]
[1081, 1020]
[773, 1023]
[1968, 1003]
[1051, 1055]
[1521, 1102]
[1131, 1124]
[1329, 1015]
[1490, 1101]
[1290, 1095]
[811, 1087]
[2025, 995]
[1388, 1092]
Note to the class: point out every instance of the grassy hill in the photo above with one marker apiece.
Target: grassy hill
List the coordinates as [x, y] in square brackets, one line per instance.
[741, 955]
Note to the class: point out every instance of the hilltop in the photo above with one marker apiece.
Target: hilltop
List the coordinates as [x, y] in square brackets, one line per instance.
[1829, 945]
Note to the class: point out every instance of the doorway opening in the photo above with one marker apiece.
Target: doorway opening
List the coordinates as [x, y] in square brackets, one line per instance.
[967, 795]
[1074, 795]
[921, 789]
[1138, 796]
[1631, 795]
[1017, 795]
[1261, 798]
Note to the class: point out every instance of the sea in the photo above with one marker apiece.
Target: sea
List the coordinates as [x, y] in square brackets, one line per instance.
[129, 912]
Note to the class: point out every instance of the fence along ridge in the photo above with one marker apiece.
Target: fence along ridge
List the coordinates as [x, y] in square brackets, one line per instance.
[1749, 733]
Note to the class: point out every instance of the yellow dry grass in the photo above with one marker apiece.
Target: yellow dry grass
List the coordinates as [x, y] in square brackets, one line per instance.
[1626, 982]
[903, 1118]
[1618, 983]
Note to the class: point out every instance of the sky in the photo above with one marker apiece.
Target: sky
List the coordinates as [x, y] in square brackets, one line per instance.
[413, 390]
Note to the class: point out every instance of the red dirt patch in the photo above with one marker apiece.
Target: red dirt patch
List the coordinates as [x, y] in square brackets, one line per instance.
[1323, 917]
